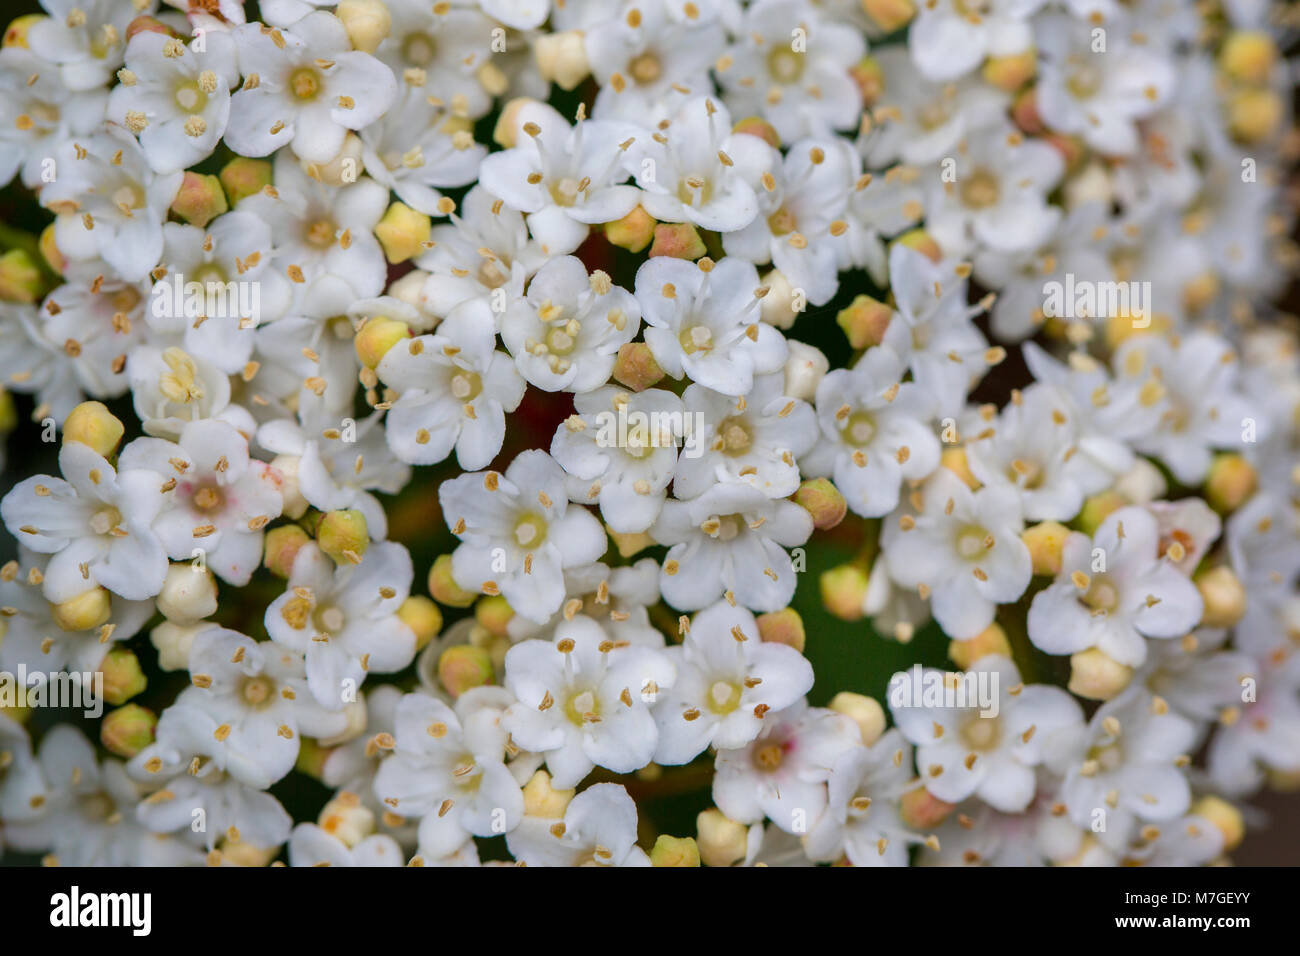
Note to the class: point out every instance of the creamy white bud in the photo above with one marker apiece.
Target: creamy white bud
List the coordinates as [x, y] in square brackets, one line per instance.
[295, 505]
[189, 593]
[804, 370]
[172, 641]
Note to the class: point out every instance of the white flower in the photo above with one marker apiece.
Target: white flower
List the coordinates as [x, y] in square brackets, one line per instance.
[948, 39]
[728, 680]
[566, 333]
[85, 38]
[566, 178]
[963, 549]
[619, 450]
[444, 51]
[311, 88]
[782, 774]
[1260, 735]
[448, 767]
[704, 322]
[345, 619]
[730, 541]
[175, 97]
[879, 207]
[518, 533]
[35, 113]
[453, 390]
[219, 499]
[23, 789]
[967, 751]
[584, 702]
[96, 523]
[873, 433]
[171, 388]
[96, 330]
[598, 829]
[616, 598]
[232, 812]
[311, 845]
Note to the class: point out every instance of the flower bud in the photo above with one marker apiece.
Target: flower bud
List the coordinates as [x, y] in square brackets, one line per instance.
[1141, 484]
[1248, 56]
[631, 543]
[295, 505]
[1097, 509]
[148, 24]
[864, 711]
[633, 232]
[1024, 113]
[245, 854]
[16, 32]
[843, 590]
[343, 535]
[376, 337]
[1095, 676]
[922, 242]
[403, 232]
[1231, 482]
[493, 613]
[1046, 544]
[243, 176]
[50, 250]
[635, 367]
[354, 726]
[543, 800]
[92, 424]
[506, 132]
[757, 126]
[804, 370]
[311, 758]
[1226, 818]
[189, 594]
[123, 676]
[890, 15]
[864, 321]
[1009, 73]
[346, 167]
[200, 200]
[173, 642]
[90, 608]
[674, 851]
[954, 459]
[1254, 115]
[562, 58]
[677, 240]
[721, 841]
[782, 627]
[869, 78]
[128, 730]
[280, 548]
[780, 306]
[422, 616]
[821, 499]
[1224, 596]
[991, 640]
[921, 810]
[20, 277]
[443, 586]
[347, 819]
[368, 22]
[464, 666]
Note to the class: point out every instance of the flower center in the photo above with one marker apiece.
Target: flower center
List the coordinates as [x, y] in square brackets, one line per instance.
[1108, 758]
[104, 521]
[491, 274]
[128, 196]
[971, 542]
[724, 697]
[697, 338]
[784, 65]
[304, 82]
[190, 97]
[932, 115]
[646, 68]
[530, 531]
[1102, 595]
[419, 49]
[564, 192]
[859, 429]
[207, 498]
[724, 527]
[782, 222]
[180, 384]
[582, 708]
[735, 435]
[1084, 81]
[97, 806]
[562, 339]
[768, 758]
[981, 733]
[257, 691]
[466, 385]
[330, 619]
[980, 190]
[321, 233]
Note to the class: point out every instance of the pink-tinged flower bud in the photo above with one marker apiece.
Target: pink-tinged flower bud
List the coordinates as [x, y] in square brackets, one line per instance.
[633, 232]
[200, 200]
[403, 232]
[1248, 56]
[1024, 112]
[677, 240]
[243, 177]
[443, 586]
[16, 32]
[1009, 73]
[148, 24]
[280, 548]
[1072, 149]
[1226, 818]
[464, 666]
[20, 277]
[1097, 509]
[821, 499]
[864, 711]
[674, 851]
[783, 627]
[843, 590]
[991, 640]
[123, 676]
[890, 15]
[562, 58]
[128, 730]
[422, 616]
[804, 370]
[90, 608]
[50, 250]
[864, 321]
[757, 126]
[721, 841]
[922, 242]
[1231, 482]
[368, 22]
[343, 535]
[189, 594]
[1046, 544]
[1254, 115]
[376, 337]
[493, 613]
[1095, 676]
[922, 811]
[1223, 596]
[636, 368]
[93, 425]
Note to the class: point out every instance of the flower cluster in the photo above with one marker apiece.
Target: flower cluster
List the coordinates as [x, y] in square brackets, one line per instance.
[680, 349]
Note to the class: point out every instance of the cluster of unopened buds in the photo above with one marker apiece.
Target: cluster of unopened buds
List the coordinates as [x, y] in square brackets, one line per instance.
[683, 347]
